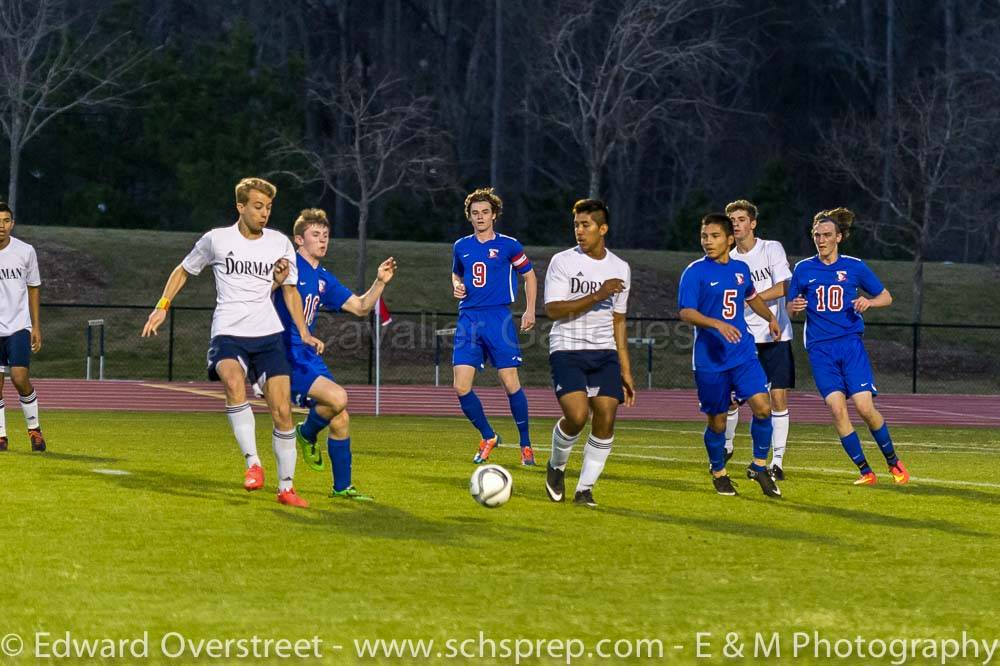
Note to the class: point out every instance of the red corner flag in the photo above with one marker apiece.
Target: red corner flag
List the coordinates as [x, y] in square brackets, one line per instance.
[384, 316]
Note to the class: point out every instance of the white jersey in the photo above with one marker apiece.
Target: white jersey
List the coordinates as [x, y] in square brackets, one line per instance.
[571, 275]
[768, 267]
[18, 271]
[243, 275]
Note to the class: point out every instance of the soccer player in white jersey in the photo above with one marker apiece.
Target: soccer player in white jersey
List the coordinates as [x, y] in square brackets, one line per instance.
[771, 273]
[246, 331]
[586, 293]
[20, 330]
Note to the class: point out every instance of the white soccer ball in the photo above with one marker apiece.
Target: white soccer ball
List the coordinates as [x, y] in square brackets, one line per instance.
[491, 485]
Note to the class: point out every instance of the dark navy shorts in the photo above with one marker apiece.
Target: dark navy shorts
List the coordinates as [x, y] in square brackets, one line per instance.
[307, 367]
[596, 372]
[15, 349]
[261, 358]
[778, 362]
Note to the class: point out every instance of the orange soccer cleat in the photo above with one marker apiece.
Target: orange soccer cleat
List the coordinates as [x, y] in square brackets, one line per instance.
[868, 479]
[254, 478]
[899, 473]
[486, 447]
[37, 441]
[291, 498]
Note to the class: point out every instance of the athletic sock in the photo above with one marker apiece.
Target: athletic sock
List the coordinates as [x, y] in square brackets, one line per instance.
[852, 444]
[779, 421]
[473, 410]
[562, 445]
[241, 421]
[340, 462]
[884, 442]
[519, 410]
[732, 420]
[715, 444]
[3, 418]
[285, 453]
[312, 425]
[595, 454]
[761, 432]
[29, 405]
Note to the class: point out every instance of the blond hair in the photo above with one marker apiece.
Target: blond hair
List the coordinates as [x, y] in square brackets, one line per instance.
[244, 186]
[309, 217]
[841, 217]
[742, 204]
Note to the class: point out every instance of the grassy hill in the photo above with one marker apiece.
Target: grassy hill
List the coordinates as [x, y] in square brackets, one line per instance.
[128, 267]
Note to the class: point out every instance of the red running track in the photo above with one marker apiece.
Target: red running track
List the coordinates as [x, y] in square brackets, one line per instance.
[657, 404]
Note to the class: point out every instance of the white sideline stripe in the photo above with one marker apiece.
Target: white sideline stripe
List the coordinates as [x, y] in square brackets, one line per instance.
[110, 472]
[825, 470]
[954, 445]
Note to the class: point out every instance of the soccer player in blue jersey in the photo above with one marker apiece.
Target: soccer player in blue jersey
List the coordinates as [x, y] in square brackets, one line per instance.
[827, 286]
[483, 279]
[313, 386]
[711, 298]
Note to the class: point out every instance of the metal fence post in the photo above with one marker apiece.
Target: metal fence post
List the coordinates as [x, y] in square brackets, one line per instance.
[170, 349]
[916, 346]
[649, 363]
[371, 347]
[437, 359]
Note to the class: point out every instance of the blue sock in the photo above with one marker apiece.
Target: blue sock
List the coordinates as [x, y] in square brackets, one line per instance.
[340, 461]
[473, 410]
[884, 442]
[852, 444]
[715, 444]
[313, 424]
[760, 432]
[519, 410]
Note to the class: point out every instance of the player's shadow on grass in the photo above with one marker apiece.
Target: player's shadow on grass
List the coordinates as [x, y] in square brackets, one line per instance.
[691, 485]
[65, 457]
[857, 516]
[733, 528]
[381, 521]
[168, 483]
[936, 490]
[527, 487]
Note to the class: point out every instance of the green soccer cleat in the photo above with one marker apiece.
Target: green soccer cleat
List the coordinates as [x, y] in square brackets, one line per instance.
[310, 452]
[351, 493]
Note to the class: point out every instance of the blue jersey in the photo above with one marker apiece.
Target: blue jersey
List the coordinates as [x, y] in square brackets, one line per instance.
[317, 286]
[719, 291]
[829, 290]
[487, 270]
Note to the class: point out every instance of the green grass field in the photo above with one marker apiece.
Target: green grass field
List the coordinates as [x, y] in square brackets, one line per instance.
[176, 545]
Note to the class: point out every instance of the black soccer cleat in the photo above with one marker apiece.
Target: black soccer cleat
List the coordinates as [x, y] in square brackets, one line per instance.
[777, 473]
[3, 443]
[765, 480]
[555, 483]
[584, 498]
[729, 454]
[724, 485]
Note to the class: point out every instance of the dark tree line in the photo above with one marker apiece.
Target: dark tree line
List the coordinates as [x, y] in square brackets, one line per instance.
[665, 108]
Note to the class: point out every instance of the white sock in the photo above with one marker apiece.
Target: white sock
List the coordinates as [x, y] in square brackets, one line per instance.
[284, 451]
[29, 405]
[3, 418]
[562, 445]
[241, 421]
[732, 420]
[595, 454]
[779, 421]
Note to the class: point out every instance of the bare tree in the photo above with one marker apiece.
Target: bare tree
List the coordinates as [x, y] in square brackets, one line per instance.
[51, 63]
[616, 68]
[940, 126]
[388, 141]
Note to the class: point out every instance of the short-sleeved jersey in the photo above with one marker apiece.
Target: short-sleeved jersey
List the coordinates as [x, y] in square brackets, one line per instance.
[573, 274]
[768, 267]
[18, 271]
[719, 291]
[243, 271]
[318, 287]
[829, 291]
[487, 270]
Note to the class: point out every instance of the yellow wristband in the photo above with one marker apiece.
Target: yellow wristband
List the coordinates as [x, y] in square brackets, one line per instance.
[163, 304]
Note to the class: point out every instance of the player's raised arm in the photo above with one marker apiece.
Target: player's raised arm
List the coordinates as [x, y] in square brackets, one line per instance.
[178, 278]
[362, 305]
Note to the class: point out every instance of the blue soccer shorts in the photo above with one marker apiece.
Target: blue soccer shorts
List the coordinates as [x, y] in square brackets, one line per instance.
[842, 365]
[261, 358]
[486, 333]
[717, 389]
[307, 367]
[15, 349]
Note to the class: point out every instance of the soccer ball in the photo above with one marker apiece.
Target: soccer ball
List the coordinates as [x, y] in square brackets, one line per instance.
[491, 485]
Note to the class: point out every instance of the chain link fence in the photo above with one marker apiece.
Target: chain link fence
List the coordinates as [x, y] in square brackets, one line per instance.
[925, 358]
